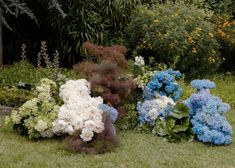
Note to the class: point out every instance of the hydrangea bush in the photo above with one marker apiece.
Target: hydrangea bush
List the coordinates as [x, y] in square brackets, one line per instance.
[206, 113]
[159, 111]
[34, 118]
[81, 114]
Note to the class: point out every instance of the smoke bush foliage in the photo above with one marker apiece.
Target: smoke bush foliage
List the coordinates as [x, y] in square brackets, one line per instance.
[106, 76]
[206, 112]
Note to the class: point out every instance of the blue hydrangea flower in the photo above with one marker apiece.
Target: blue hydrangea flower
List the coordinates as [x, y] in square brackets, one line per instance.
[202, 84]
[209, 125]
[150, 110]
[164, 83]
[113, 114]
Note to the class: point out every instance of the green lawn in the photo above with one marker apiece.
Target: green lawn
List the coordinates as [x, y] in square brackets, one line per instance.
[136, 150]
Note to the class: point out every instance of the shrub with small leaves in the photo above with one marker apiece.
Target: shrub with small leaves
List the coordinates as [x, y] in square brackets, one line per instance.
[176, 34]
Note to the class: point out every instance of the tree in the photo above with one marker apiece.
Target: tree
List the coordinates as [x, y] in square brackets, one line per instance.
[16, 8]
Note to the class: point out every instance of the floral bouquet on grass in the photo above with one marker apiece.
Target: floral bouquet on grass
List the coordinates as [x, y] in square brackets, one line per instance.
[86, 119]
[34, 118]
[206, 113]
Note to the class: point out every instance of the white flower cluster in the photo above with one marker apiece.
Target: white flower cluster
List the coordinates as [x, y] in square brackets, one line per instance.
[160, 105]
[80, 112]
[139, 61]
[45, 88]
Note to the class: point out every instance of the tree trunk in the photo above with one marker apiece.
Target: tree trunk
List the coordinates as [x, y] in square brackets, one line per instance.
[1, 47]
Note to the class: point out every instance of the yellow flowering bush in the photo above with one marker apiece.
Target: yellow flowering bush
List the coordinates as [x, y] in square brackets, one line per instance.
[175, 34]
[226, 38]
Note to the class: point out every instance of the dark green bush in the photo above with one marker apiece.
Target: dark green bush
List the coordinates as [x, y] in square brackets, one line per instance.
[177, 35]
[128, 121]
[97, 21]
[14, 97]
[226, 38]
[218, 6]
[25, 72]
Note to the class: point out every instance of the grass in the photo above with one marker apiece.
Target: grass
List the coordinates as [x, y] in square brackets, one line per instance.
[136, 149]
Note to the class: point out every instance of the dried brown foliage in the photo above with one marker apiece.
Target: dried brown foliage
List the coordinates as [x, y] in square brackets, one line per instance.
[101, 143]
[107, 77]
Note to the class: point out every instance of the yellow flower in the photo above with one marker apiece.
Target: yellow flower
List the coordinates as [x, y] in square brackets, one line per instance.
[156, 21]
[211, 59]
[199, 29]
[211, 35]
[194, 50]
[225, 24]
[190, 40]
[222, 34]
[233, 22]
[172, 45]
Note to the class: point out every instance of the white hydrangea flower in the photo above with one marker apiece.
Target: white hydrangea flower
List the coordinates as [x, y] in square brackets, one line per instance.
[80, 111]
[47, 81]
[154, 113]
[87, 135]
[69, 129]
[59, 126]
[75, 88]
[139, 61]
[167, 101]
[41, 126]
[15, 117]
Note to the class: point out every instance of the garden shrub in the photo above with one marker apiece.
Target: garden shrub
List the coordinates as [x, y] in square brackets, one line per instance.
[217, 6]
[23, 71]
[129, 120]
[86, 120]
[179, 35]
[207, 114]
[226, 37]
[34, 118]
[14, 97]
[107, 77]
[160, 112]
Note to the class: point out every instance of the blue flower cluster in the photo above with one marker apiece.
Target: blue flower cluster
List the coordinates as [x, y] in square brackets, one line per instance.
[150, 110]
[113, 114]
[202, 84]
[206, 113]
[163, 83]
